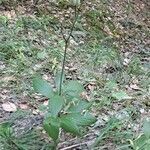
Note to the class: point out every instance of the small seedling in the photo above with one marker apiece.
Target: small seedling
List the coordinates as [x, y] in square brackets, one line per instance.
[66, 109]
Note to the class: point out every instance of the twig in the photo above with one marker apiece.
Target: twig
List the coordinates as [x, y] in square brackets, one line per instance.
[73, 146]
[67, 39]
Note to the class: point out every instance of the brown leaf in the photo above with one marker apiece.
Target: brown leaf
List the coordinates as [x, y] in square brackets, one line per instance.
[45, 103]
[35, 111]
[23, 106]
[84, 95]
[9, 107]
[134, 86]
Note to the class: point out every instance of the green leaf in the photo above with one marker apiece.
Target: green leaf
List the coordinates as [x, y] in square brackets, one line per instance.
[146, 128]
[41, 86]
[82, 119]
[5, 129]
[51, 127]
[79, 106]
[120, 95]
[69, 125]
[87, 119]
[74, 88]
[55, 105]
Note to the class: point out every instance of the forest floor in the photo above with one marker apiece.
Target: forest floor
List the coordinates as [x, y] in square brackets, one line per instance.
[109, 54]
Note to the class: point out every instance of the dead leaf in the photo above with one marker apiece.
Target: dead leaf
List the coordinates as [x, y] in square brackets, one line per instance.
[107, 30]
[73, 69]
[134, 86]
[45, 103]
[91, 86]
[9, 78]
[126, 61]
[23, 106]
[84, 96]
[10, 14]
[9, 107]
[35, 111]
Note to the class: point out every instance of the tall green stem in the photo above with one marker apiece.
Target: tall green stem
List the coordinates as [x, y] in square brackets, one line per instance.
[67, 40]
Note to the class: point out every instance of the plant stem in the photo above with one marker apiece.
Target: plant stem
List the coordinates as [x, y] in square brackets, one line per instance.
[55, 145]
[66, 47]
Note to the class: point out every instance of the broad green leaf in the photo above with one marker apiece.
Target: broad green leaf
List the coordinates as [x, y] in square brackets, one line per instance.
[57, 79]
[82, 119]
[79, 106]
[51, 127]
[69, 125]
[121, 95]
[55, 105]
[146, 128]
[41, 86]
[74, 88]
[87, 119]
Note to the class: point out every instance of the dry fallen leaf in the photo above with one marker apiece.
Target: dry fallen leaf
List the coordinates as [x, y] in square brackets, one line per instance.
[84, 95]
[10, 14]
[126, 61]
[91, 87]
[9, 78]
[35, 111]
[134, 86]
[23, 106]
[9, 107]
[45, 103]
